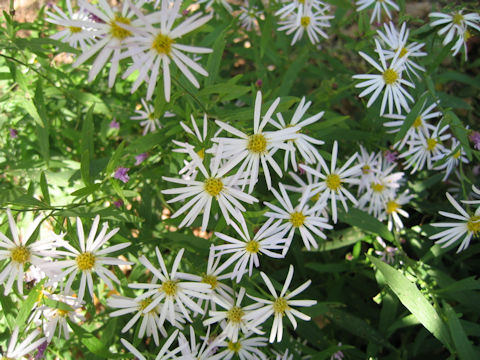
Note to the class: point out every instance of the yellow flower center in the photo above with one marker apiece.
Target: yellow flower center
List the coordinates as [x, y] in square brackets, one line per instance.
[280, 305]
[210, 280]
[143, 305]
[234, 346]
[392, 207]
[315, 197]
[201, 153]
[457, 154]
[297, 219]
[85, 261]
[169, 287]
[116, 30]
[403, 52]
[467, 35]
[366, 169]
[333, 182]
[305, 21]
[74, 29]
[301, 1]
[418, 122]
[252, 247]
[235, 314]
[162, 44]
[431, 143]
[257, 143]
[390, 76]
[213, 186]
[62, 313]
[20, 254]
[377, 187]
[458, 19]
[473, 225]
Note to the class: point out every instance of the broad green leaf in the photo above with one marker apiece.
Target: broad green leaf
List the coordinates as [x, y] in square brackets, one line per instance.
[28, 304]
[412, 116]
[44, 188]
[462, 344]
[292, 73]
[8, 307]
[459, 131]
[364, 221]
[115, 159]
[55, 304]
[215, 59]
[92, 343]
[86, 190]
[414, 301]
[341, 239]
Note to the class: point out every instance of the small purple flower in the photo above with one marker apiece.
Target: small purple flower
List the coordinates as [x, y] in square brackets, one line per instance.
[390, 156]
[41, 351]
[475, 139]
[185, 12]
[114, 124]
[94, 17]
[338, 355]
[259, 83]
[118, 203]
[13, 133]
[140, 158]
[121, 174]
[301, 170]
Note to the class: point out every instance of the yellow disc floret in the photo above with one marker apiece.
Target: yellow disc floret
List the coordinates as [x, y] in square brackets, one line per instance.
[252, 247]
[392, 207]
[377, 187]
[457, 19]
[431, 143]
[162, 44]
[280, 305]
[473, 225]
[116, 30]
[235, 314]
[210, 280]
[169, 287]
[297, 218]
[257, 144]
[403, 52]
[333, 182]
[213, 186]
[85, 261]
[234, 346]
[74, 29]
[305, 21]
[20, 254]
[390, 76]
[418, 122]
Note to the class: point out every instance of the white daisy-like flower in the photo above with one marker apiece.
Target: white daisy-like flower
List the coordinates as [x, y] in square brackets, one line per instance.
[212, 276]
[467, 227]
[454, 158]
[476, 192]
[332, 184]
[389, 80]
[163, 354]
[462, 41]
[234, 315]
[107, 35]
[246, 348]
[68, 308]
[302, 142]
[150, 324]
[281, 305]
[397, 40]
[257, 148]
[308, 20]
[18, 253]
[379, 5]
[18, 351]
[214, 186]
[171, 292]
[382, 188]
[301, 217]
[89, 259]
[245, 252]
[388, 253]
[420, 124]
[153, 48]
[147, 118]
[209, 4]
[369, 163]
[75, 36]
[190, 350]
[424, 147]
[454, 24]
[297, 6]
[249, 16]
[393, 210]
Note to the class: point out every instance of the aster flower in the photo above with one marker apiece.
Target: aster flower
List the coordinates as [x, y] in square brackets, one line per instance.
[369, 163]
[153, 48]
[192, 350]
[18, 351]
[281, 305]
[163, 354]
[245, 252]
[424, 147]
[379, 5]
[297, 6]
[19, 253]
[454, 158]
[248, 16]
[389, 80]
[147, 118]
[246, 348]
[301, 217]
[454, 24]
[393, 210]
[331, 185]
[475, 139]
[251, 150]
[171, 292]
[308, 20]
[462, 41]
[397, 40]
[209, 4]
[89, 259]
[214, 186]
[467, 226]
[304, 143]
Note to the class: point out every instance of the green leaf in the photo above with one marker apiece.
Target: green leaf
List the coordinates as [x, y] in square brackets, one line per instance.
[86, 146]
[364, 221]
[459, 131]
[215, 59]
[7, 310]
[414, 301]
[462, 344]
[55, 304]
[115, 159]
[93, 344]
[28, 305]
[86, 190]
[44, 188]
[341, 239]
[292, 73]
[411, 117]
